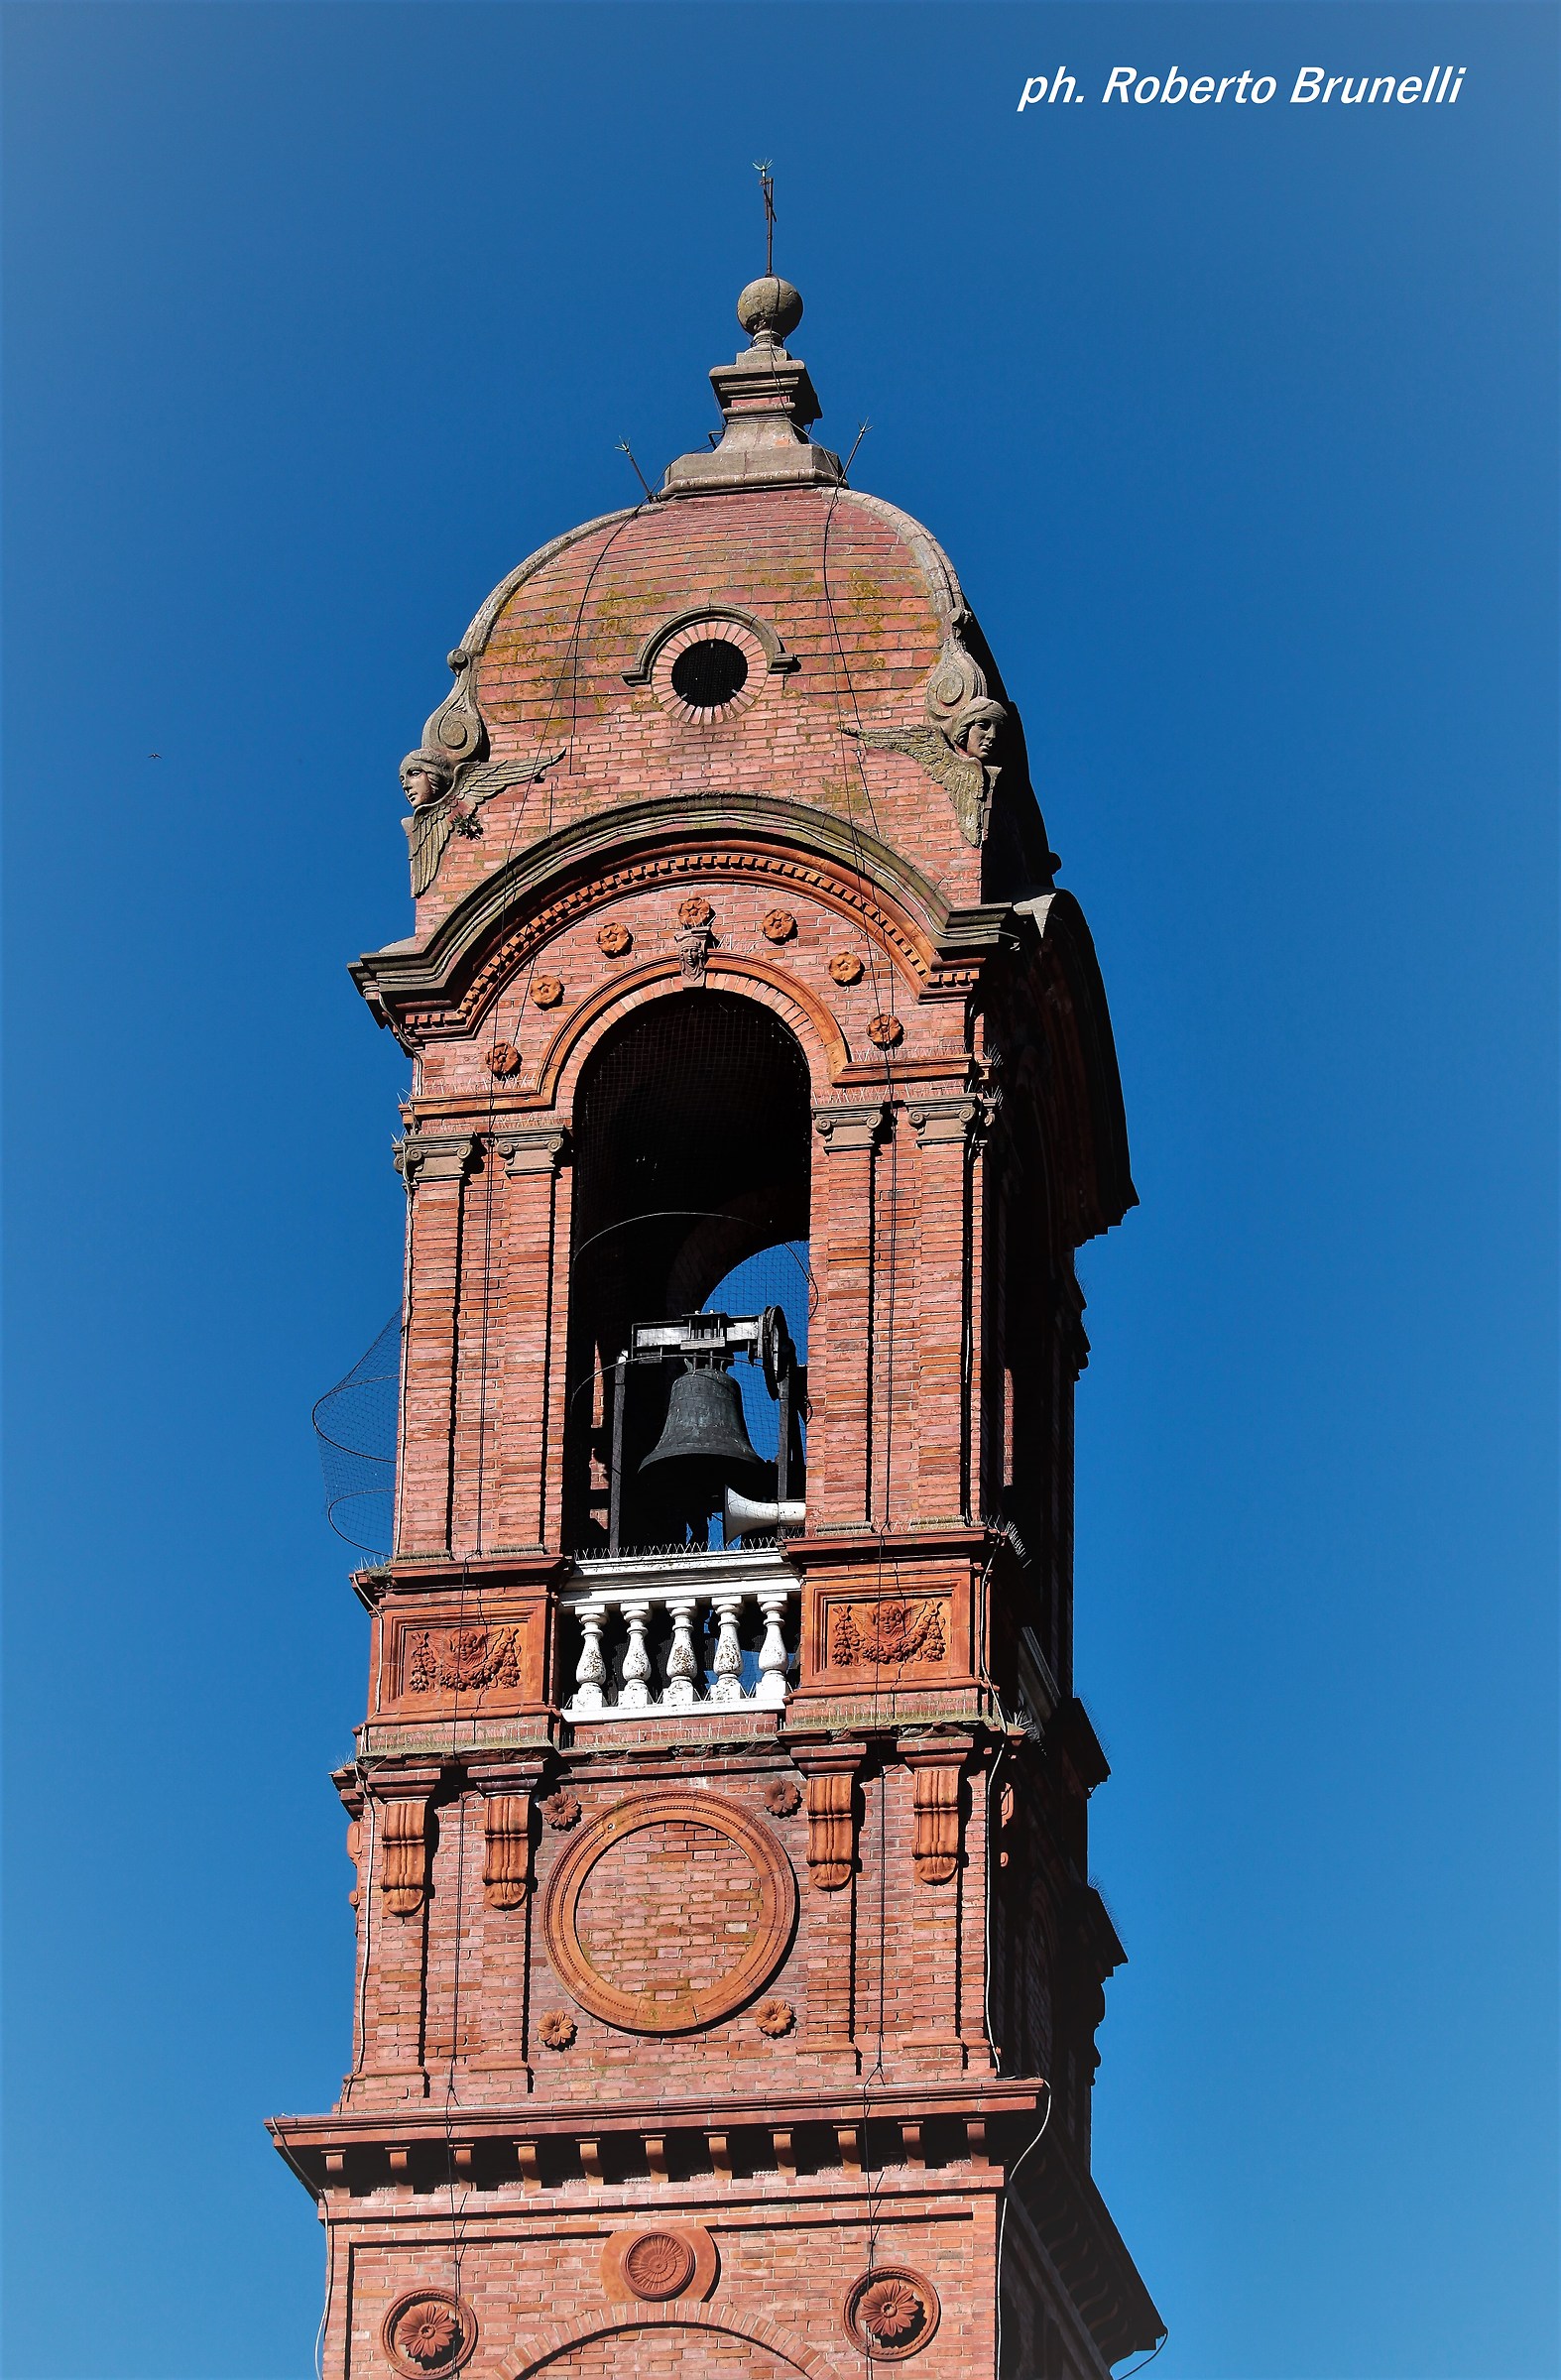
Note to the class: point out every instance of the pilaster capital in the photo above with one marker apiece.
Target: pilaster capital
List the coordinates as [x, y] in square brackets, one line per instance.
[945, 1122]
[435, 1157]
[534, 1148]
[852, 1126]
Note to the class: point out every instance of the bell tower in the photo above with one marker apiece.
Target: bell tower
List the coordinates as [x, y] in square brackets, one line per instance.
[728, 1974]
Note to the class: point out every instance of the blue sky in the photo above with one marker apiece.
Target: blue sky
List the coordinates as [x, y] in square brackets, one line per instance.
[1240, 426]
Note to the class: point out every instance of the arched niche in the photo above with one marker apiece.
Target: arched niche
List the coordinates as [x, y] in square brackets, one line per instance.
[693, 1135]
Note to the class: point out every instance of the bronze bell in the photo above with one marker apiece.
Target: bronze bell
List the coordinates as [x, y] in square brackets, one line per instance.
[705, 1431]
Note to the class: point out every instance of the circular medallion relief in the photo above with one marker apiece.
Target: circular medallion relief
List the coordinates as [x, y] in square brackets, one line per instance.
[892, 2313]
[428, 2334]
[667, 2261]
[669, 1913]
[659, 2264]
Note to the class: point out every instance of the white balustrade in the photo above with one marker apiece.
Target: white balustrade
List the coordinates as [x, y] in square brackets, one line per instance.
[700, 1594]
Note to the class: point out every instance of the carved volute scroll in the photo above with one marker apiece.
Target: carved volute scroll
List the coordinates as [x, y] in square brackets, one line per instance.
[404, 1863]
[457, 728]
[506, 1863]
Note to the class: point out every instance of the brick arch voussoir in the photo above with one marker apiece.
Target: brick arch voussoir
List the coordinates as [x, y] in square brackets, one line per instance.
[815, 1026]
[550, 2340]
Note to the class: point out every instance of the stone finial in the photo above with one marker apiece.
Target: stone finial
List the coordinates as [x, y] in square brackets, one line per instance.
[769, 308]
[766, 403]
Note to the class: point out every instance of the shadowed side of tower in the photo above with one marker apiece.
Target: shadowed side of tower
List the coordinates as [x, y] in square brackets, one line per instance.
[728, 1972]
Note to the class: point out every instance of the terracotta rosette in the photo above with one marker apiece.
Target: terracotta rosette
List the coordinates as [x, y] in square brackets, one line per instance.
[648, 2010]
[436, 2301]
[657, 2262]
[908, 2303]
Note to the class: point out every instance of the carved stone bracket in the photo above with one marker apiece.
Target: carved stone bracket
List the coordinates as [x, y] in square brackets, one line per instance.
[830, 1771]
[507, 1846]
[403, 1861]
[435, 1157]
[936, 1772]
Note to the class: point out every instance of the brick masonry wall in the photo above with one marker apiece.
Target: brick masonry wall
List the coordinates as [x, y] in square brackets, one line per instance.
[886, 1976]
[788, 2254]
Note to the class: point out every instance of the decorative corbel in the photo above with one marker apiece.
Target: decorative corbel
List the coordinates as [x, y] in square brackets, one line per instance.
[403, 1861]
[507, 1848]
[831, 1771]
[936, 1771]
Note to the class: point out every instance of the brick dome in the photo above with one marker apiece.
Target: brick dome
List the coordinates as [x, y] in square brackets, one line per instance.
[758, 627]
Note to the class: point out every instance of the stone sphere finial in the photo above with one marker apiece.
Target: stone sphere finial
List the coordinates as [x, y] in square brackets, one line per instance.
[769, 304]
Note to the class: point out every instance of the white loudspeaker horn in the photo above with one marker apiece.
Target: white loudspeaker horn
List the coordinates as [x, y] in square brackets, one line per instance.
[742, 1514]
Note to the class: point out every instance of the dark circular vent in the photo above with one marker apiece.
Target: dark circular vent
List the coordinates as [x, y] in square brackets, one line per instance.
[706, 675]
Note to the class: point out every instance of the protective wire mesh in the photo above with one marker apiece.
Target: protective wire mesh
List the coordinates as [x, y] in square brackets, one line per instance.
[355, 1431]
[776, 1276]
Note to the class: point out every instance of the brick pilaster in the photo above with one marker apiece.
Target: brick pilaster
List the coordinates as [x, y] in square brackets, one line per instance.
[435, 1169]
[840, 1372]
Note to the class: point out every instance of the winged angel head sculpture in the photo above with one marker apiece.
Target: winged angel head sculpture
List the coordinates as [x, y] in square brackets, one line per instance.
[446, 797]
[956, 743]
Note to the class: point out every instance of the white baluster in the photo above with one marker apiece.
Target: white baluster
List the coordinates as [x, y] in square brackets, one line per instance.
[727, 1686]
[590, 1673]
[771, 1653]
[635, 1693]
[683, 1662]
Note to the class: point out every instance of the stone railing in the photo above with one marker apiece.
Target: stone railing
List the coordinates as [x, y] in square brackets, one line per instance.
[646, 1619]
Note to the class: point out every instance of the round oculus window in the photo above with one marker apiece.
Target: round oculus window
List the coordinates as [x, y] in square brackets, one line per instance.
[707, 674]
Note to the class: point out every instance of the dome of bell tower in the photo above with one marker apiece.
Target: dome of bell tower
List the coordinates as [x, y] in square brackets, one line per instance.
[759, 627]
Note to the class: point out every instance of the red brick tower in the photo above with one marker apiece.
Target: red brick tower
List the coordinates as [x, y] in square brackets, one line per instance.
[728, 1974]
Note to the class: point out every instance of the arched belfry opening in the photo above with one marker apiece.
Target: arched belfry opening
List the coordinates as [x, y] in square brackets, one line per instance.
[692, 1149]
